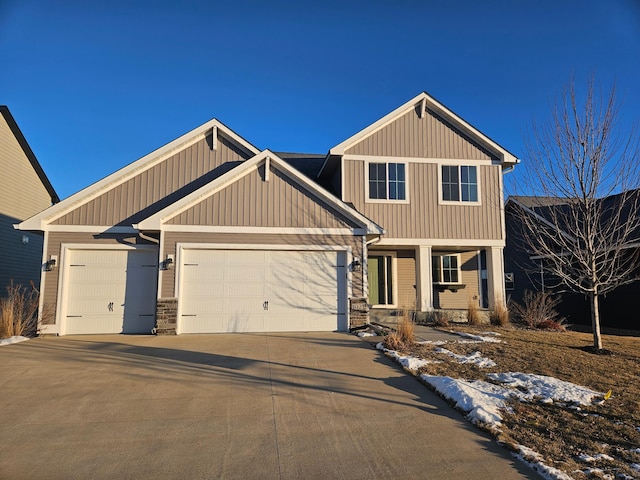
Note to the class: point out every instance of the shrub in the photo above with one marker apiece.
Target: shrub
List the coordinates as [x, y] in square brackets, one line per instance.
[404, 335]
[473, 317]
[19, 311]
[538, 311]
[440, 319]
[500, 314]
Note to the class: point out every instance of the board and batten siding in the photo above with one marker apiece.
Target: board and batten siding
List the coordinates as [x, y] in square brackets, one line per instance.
[253, 201]
[167, 277]
[427, 137]
[423, 216]
[157, 187]
[54, 247]
[470, 278]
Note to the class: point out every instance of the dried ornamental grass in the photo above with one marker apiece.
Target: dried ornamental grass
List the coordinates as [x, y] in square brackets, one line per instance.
[19, 311]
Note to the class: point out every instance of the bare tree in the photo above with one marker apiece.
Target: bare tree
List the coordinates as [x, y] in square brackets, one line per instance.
[583, 222]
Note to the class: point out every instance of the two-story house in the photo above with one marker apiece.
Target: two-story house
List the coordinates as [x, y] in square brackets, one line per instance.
[209, 234]
[24, 191]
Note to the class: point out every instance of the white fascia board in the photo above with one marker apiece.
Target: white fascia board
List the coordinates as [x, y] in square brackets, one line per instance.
[506, 156]
[38, 221]
[439, 242]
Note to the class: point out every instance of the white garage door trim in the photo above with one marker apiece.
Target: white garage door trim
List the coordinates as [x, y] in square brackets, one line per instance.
[342, 316]
[66, 255]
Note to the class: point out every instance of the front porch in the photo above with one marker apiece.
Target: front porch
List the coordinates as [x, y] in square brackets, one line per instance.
[435, 277]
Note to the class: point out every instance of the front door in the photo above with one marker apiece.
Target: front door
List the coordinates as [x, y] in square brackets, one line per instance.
[380, 275]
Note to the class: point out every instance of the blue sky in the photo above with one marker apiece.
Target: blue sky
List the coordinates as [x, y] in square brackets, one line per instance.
[95, 85]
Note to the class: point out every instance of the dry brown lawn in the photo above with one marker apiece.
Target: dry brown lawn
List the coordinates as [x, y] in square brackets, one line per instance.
[559, 432]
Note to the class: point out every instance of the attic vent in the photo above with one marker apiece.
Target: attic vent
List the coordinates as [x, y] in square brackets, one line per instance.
[214, 139]
[423, 107]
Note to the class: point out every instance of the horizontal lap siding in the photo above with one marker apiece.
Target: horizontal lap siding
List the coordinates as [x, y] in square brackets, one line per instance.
[252, 201]
[172, 238]
[54, 247]
[461, 298]
[406, 276]
[412, 136]
[423, 217]
[146, 193]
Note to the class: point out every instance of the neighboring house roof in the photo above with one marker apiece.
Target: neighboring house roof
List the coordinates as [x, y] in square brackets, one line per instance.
[37, 222]
[4, 110]
[422, 102]
[155, 222]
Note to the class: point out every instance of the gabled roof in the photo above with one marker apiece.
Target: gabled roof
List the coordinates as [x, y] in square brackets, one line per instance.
[4, 110]
[155, 222]
[424, 101]
[37, 222]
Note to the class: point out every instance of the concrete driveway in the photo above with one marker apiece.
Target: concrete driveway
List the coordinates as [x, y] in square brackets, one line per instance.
[299, 406]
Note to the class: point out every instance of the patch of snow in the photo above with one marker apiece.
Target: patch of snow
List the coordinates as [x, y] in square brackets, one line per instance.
[594, 458]
[635, 450]
[479, 338]
[14, 339]
[476, 358]
[432, 342]
[481, 400]
[599, 472]
[550, 473]
[407, 361]
[366, 334]
[491, 333]
[624, 476]
[635, 466]
[542, 386]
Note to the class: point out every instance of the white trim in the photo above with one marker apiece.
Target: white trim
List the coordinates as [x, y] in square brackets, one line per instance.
[63, 279]
[460, 202]
[90, 229]
[40, 220]
[435, 161]
[424, 282]
[342, 183]
[264, 230]
[214, 137]
[267, 168]
[434, 105]
[440, 242]
[43, 275]
[386, 161]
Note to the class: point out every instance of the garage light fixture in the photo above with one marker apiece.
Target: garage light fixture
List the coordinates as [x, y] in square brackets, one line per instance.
[356, 266]
[168, 262]
[50, 265]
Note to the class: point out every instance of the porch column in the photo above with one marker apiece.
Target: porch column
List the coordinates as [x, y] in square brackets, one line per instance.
[495, 276]
[424, 282]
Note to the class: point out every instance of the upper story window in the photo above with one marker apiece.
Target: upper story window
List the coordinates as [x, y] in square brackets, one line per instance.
[387, 181]
[459, 183]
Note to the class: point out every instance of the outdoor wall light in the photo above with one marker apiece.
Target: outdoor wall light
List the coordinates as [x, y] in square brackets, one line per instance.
[356, 266]
[168, 262]
[50, 265]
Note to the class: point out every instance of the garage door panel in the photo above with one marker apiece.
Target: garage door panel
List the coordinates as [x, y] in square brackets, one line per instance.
[268, 290]
[110, 291]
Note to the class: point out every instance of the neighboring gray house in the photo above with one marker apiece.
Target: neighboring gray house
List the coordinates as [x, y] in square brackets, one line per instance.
[24, 191]
[210, 234]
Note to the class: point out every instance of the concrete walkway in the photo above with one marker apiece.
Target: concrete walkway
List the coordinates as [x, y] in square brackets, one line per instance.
[228, 406]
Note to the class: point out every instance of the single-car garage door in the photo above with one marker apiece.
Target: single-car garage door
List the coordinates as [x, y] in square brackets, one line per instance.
[262, 291]
[111, 291]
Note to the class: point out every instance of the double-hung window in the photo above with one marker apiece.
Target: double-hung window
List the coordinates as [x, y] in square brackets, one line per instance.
[459, 183]
[387, 181]
[446, 268]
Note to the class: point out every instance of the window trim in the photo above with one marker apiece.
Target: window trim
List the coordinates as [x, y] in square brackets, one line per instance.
[440, 255]
[458, 166]
[386, 161]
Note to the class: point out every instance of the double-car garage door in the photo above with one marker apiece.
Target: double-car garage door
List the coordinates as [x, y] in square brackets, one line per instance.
[114, 291]
[262, 291]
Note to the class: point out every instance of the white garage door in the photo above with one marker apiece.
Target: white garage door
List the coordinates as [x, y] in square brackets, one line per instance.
[111, 291]
[262, 291]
